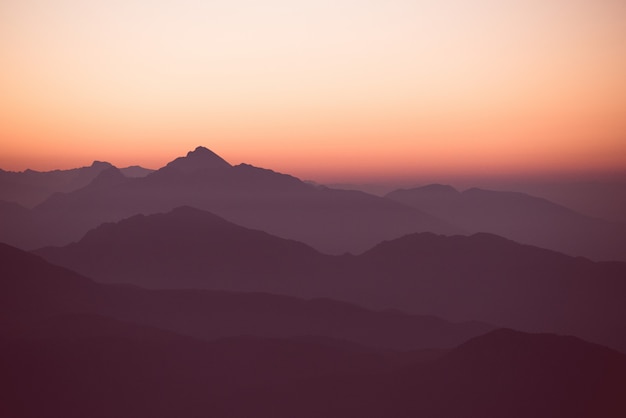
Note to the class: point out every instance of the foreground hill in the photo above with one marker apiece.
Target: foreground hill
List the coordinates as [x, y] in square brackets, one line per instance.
[520, 217]
[124, 371]
[99, 367]
[74, 348]
[482, 277]
[334, 221]
[502, 374]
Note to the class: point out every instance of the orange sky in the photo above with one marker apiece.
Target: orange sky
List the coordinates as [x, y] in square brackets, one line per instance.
[327, 90]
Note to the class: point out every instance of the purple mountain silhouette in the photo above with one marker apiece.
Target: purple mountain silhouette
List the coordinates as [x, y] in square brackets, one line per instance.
[112, 350]
[504, 373]
[482, 277]
[29, 188]
[17, 224]
[332, 221]
[33, 291]
[190, 248]
[522, 218]
[135, 171]
[200, 159]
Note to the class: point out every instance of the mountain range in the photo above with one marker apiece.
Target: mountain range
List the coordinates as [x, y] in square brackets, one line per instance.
[29, 188]
[34, 291]
[333, 221]
[481, 277]
[68, 352]
[207, 289]
[522, 218]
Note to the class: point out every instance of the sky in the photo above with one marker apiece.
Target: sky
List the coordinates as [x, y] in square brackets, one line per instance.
[334, 91]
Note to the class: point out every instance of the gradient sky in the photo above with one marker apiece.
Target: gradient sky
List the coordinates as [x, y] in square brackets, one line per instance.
[336, 90]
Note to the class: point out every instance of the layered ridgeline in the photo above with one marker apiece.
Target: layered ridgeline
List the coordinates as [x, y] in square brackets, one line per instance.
[504, 373]
[106, 350]
[481, 277]
[33, 292]
[520, 217]
[334, 221]
[29, 188]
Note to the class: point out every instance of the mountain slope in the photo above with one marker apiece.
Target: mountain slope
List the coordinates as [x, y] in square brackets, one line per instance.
[522, 218]
[503, 373]
[188, 248]
[121, 370]
[29, 188]
[481, 277]
[93, 365]
[116, 351]
[136, 171]
[512, 374]
[18, 226]
[33, 290]
[492, 279]
[332, 221]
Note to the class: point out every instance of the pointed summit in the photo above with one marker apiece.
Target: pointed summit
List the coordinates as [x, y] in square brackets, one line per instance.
[197, 160]
[101, 165]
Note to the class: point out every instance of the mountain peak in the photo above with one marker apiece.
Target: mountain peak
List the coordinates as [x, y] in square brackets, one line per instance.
[199, 159]
[101, 165]
[200, 150]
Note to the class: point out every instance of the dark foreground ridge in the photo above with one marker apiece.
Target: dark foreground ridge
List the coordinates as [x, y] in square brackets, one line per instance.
[62, 358]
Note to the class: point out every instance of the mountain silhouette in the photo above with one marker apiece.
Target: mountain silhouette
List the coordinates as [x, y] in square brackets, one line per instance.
[199, 159]
[120, 350]
[512, 374]
[34, 290]
[489, 278]
[111, 176]
[482, 277]
[333, 221]
[135, 171]
[520, 217]
[107, 368]
[189, 248]
[17, 224]
[29, 187]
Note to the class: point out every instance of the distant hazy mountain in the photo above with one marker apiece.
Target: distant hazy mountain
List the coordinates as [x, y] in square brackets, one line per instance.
[33, 291]
[29, 188]
[601, 198]
[333, 221]
[482, 277]
[520, 217]
[136, 171]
